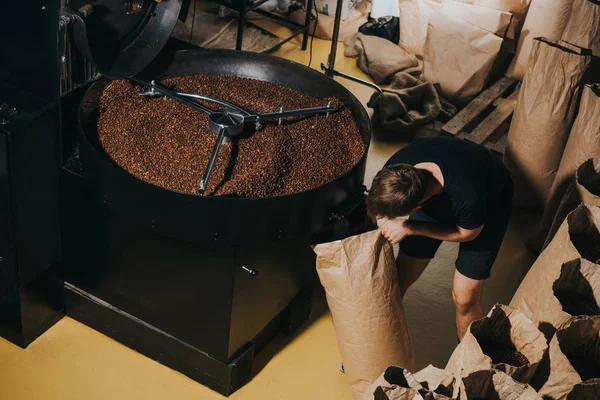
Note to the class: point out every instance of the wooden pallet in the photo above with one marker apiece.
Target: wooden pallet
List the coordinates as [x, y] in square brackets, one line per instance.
[485, 119]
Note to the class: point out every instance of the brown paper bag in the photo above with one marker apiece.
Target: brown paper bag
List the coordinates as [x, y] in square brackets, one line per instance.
[324, 30]
[575, 239]
[576, 292]
[458, 56]
[361, 282]
[584, 189]
[494, 21]
[573, 357]
[414, 19]
[505, 340]
[583, 28]
[398, 384]
[588, 390]
[492, 384]
[583, 143]
[542, 119]
[517, 8]
[545, 18]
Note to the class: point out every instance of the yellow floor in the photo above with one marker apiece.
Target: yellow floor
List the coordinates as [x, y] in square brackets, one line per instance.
[73, 362]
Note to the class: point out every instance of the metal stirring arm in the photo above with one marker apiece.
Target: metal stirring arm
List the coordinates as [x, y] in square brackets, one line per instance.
[211, 162]
[155, 87]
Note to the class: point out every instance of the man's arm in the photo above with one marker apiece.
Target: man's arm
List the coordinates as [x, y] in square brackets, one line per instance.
[396, 230]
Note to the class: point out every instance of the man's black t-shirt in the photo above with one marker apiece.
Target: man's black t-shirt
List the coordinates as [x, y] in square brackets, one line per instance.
[475, 182]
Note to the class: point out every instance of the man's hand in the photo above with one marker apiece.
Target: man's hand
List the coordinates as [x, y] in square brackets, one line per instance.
[395, 230]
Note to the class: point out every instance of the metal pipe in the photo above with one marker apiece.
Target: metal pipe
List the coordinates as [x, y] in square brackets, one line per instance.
[205, 98]
[336, 33]
[211, 161]
[173, 95]
[290, 113]
[329, 70]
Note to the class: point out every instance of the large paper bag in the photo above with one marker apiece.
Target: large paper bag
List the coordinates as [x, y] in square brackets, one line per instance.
[505, 340]
[577, 237]
[414, 19]
[576, 292]
[542, 119]
[458, 56]
[492, 384]
[583, 28]
[573, 358]
[398, 384]
[494, 21]
[588, 390]
[583, 143]
[545, 18]
[361, 282]
[584, 189]
[517, 8]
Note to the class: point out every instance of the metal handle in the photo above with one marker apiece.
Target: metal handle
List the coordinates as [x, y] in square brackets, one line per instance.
[252, 272]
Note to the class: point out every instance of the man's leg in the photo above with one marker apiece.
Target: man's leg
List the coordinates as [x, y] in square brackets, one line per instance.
[409, 270]
[466, 293]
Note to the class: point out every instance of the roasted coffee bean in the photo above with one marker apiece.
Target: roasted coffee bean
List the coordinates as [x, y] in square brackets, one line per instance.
[502, 353]
[168, 144]
[577, 304]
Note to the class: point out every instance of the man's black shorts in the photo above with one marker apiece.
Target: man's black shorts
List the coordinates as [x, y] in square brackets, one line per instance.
[475, 258]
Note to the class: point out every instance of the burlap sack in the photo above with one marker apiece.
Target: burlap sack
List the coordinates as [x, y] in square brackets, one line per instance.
[361, 282]
[496, 341]
[584, 189]
[379, 58]
[414, 19]
[463, 71]
[406, 104]
[573, 357]
[494, 21]
[576, 292]
[583, 28]
[492, 384]
[542, 119]
[398, 384]
[575, 239]
[588, 390]
[545, 18]
[583, 143]
[324, 30]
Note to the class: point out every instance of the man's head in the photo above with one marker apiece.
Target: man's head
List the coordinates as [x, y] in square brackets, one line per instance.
[397, 190]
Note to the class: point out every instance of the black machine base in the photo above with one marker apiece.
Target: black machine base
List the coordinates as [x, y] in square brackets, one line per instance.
[158, 345]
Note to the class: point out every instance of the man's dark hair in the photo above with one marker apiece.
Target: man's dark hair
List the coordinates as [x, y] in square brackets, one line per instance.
[397, 190]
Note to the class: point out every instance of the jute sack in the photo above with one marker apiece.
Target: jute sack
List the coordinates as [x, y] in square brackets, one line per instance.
[573, 358]
[398, 384]
[588, 390]
[505, 340]
[542, 120]
[583, 143]
[583, 28]
[361, 282]
[462, 71]
[414, 19]
[492, 384]
[585, 188]
[576, 292]
[545, 18]
[576, 238]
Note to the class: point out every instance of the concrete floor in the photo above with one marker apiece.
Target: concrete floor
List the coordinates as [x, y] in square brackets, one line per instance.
[72, 361]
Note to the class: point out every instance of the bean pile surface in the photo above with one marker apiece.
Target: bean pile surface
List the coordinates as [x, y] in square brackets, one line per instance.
[168, 144]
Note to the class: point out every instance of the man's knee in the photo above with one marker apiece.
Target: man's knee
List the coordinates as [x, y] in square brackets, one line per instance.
[465, 300]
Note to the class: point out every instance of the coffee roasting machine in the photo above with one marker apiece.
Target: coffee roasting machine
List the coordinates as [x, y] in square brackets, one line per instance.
[198, 283]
